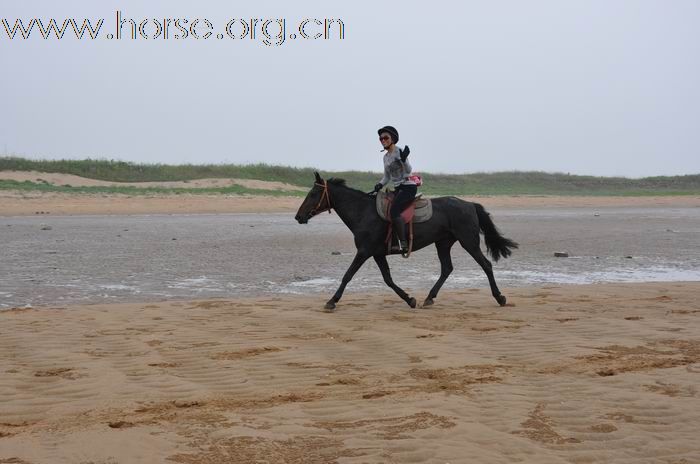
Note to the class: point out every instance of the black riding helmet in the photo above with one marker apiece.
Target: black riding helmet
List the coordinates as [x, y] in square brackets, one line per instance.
[391, 130]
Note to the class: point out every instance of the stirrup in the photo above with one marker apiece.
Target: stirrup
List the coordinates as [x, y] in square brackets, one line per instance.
[404, 250]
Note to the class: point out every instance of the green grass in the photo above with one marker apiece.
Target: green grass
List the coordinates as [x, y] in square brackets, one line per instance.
[120, 171]
[499, 183]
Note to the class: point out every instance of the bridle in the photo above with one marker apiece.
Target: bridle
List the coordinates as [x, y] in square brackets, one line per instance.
[325, 195]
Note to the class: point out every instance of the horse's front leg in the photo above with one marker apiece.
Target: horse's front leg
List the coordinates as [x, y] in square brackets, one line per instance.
[355, 266]
[386, 274]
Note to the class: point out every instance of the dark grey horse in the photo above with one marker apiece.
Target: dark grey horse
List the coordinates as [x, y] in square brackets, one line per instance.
[453, 220]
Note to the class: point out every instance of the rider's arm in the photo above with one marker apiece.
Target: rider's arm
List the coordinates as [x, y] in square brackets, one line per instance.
[408, 167]
[386, 177]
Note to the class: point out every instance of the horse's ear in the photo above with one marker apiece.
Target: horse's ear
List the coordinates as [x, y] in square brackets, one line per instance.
[318, 177]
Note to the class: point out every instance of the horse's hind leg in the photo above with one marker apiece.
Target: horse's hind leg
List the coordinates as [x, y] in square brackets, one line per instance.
[443, 250]
[386, 274]
[472, 247]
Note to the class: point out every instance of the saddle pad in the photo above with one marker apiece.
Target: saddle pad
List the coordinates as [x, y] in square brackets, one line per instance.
[424, 208]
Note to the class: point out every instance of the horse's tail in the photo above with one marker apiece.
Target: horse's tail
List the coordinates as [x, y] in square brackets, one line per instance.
[496, 244]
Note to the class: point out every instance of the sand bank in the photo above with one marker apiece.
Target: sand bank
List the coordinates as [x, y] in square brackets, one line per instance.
[55, 178]
[14, 203]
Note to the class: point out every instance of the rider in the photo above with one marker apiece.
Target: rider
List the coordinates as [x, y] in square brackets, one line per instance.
[397, 169]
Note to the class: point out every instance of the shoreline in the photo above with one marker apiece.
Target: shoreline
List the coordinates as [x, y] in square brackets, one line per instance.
[16, 203]
[317, 299]
[564, 373]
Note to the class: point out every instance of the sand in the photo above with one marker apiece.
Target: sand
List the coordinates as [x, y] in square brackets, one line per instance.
[78, 181]
[59, 204]
[24, 203]
[14, 203]
[581, 374]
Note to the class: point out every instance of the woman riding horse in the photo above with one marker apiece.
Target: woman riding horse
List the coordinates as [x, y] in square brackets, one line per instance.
[396, 170]
[453, 221]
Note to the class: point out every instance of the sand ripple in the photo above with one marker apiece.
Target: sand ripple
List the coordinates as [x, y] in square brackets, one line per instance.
[581, 374]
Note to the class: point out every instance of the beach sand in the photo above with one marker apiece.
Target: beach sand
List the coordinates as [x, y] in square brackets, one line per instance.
[580, 374]
[24, 203]
[16, 203]
[55, 178]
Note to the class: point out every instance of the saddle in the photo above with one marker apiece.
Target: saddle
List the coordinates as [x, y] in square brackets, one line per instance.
[420, 210]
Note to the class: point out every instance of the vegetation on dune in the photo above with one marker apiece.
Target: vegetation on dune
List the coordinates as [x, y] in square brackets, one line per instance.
[499, 183]
[122, 171]
[132, 190]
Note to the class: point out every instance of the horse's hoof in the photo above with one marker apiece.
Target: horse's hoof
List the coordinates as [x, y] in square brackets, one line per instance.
[501, 300]
[330, 306]
[428, 302]
[412, 302]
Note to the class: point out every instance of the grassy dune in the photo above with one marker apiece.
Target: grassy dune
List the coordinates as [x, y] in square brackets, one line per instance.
[499, 183]
[132, 190]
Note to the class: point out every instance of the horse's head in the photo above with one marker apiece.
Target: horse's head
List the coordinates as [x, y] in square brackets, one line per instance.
[316, 201]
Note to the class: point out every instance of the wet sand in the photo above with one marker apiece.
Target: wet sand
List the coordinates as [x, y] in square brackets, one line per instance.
[13, 203]
[580, 374]
[67, 260]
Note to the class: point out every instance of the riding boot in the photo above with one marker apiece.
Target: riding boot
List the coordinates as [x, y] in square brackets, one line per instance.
[399, 227]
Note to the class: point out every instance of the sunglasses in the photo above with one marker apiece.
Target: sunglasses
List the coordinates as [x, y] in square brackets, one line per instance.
[384, 137]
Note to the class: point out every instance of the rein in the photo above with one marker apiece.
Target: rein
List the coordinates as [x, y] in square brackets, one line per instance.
[325, 195]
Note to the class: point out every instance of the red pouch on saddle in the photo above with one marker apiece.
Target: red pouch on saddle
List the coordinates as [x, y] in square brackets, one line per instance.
[417, 179]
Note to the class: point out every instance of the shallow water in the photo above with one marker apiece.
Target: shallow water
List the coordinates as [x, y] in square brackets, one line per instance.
[96, 259]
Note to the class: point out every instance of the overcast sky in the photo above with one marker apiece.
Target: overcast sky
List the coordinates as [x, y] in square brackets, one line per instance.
[591, 87]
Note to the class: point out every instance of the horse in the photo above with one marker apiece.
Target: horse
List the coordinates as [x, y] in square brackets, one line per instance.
[453, 220]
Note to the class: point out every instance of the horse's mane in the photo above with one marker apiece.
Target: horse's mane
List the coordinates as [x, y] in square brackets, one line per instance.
[337, 181]
[341, 182]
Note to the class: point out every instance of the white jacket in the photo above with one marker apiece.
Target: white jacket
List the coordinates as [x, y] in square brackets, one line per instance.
[395, 170]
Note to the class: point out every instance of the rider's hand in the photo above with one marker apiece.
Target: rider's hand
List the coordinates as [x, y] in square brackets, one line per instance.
[404, 153]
